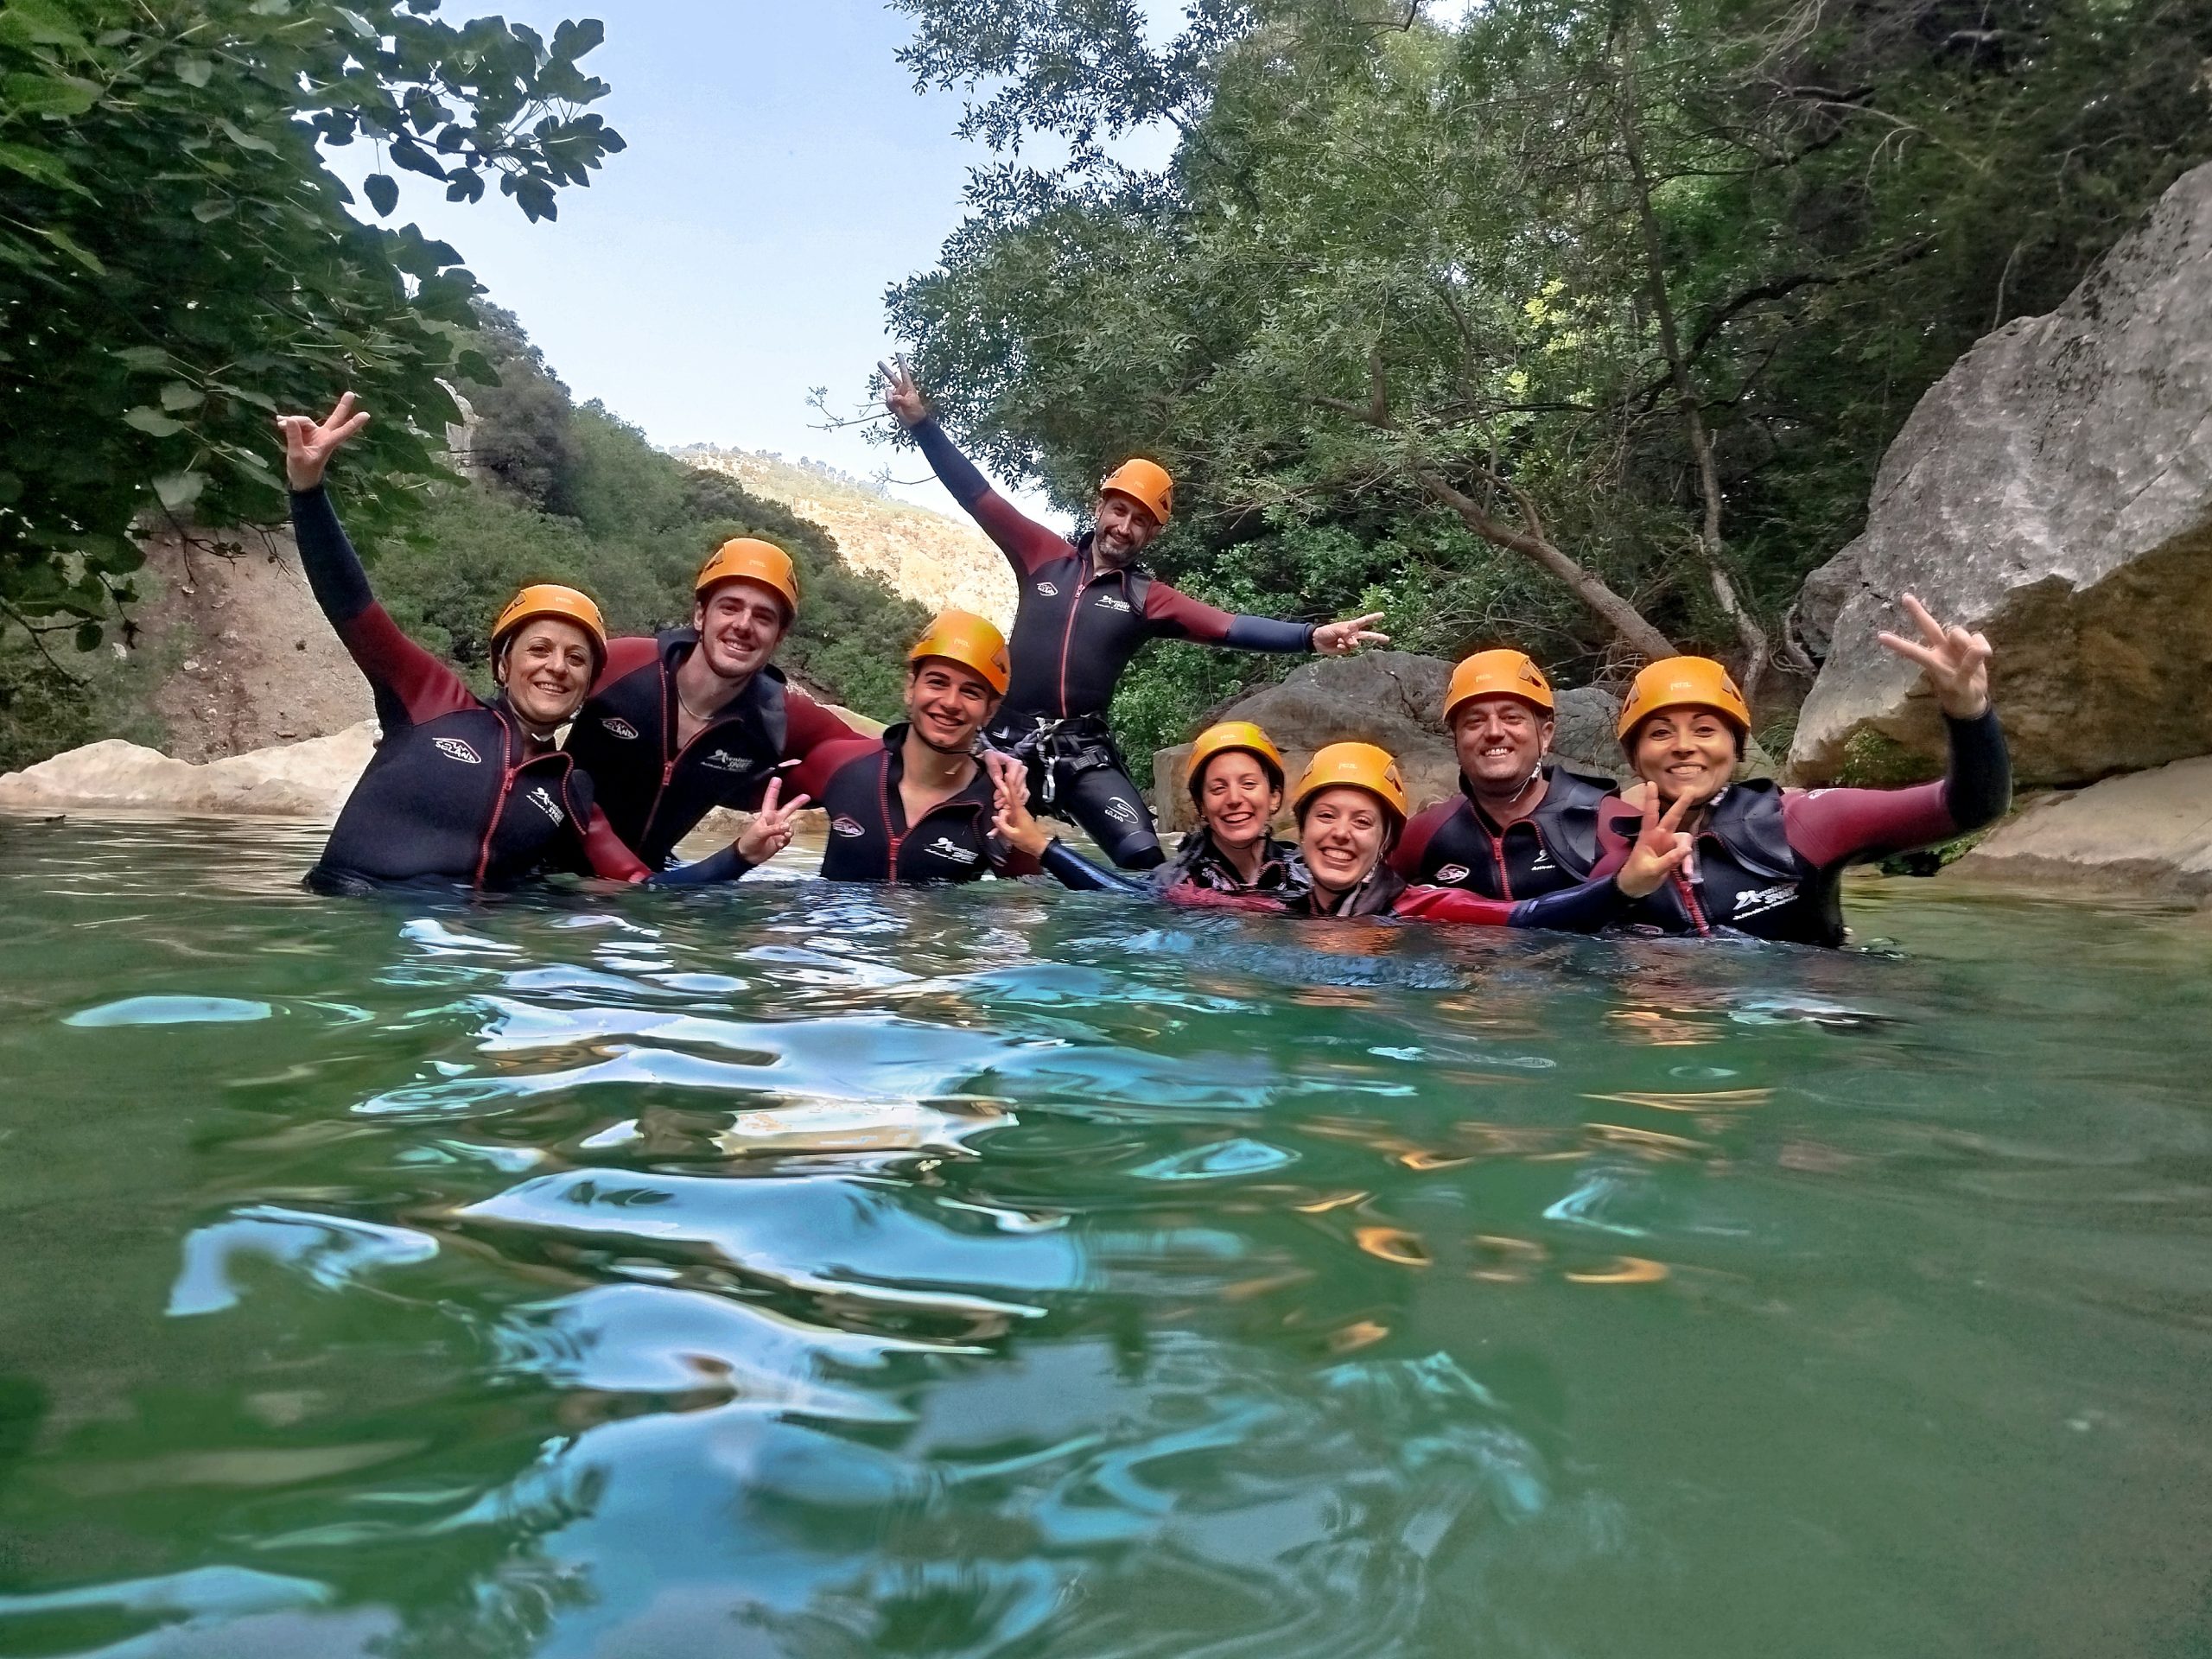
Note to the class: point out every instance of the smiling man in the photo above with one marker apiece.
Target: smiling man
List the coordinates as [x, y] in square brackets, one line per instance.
[698, 717]
[1521, 827]
[1086, 606]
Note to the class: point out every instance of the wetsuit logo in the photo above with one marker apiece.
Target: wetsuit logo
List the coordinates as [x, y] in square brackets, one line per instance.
[1451, 875]
[1109, 602]
[943, 847]
[454, 749]
[621, 728]
[1543, 860]
[848, 827]
[544, 803]
[1120, 810]
[1050, 589]
[1760, 899]
[723, 760]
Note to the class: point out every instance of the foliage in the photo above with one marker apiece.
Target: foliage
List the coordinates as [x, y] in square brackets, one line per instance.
[1416, 307]
[176, 261]
[578, 495]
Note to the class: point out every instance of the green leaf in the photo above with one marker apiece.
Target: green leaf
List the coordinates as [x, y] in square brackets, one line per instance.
[11, 488]
[214, 208]
[144, 357]
[38, 23]
[195, 71]
[152, 422]
[383, 192]
[180, 490]
[246, 140]
[38, 164]
[48, 94]
[177, 397]
[88, 636]
[68, 244]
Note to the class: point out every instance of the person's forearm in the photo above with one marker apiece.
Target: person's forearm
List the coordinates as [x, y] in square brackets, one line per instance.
[1269, 633]
[334, 569]
[1594, 904]
[728, 865]
[954, 470]
[1977, 787]
[1071, 869]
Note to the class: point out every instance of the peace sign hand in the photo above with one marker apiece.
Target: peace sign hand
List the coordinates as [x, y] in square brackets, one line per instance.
[1956, 661]
[900, 395]
[309, 445]
[1661, 848]
[1342, 639]
[772, 826]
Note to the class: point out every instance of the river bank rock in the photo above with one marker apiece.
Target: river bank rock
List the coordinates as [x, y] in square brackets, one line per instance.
[2054, 491]
[2147, 833]
[1392, 698]
[292, 780]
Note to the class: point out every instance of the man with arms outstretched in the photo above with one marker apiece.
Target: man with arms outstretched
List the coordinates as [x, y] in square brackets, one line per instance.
[1085, 607]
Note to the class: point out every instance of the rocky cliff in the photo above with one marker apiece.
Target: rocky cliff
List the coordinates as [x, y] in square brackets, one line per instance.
[932, 559]
[2054, 491]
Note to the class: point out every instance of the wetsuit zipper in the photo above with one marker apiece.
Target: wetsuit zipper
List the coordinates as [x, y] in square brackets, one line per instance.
[1067, 638]
[669, 727]
[891, 837]
[498, 802]
[1690, 900]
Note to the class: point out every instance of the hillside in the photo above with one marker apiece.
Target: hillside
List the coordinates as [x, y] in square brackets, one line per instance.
[926, 556]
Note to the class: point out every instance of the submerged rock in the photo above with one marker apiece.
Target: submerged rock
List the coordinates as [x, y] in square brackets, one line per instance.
[2054, 491]
[2148, 832]
[303, 780]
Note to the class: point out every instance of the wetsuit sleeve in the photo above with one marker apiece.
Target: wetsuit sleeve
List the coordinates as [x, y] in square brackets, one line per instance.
[823, 761]
[1010, 862]
[1071, 869]
[1834, 826]
[1025, 542]
[808, 726]
[608, 854]
[1574, 910]
[411, 685]
[1406, 857]
[1172, 614]
[726, 865]
[624, 656]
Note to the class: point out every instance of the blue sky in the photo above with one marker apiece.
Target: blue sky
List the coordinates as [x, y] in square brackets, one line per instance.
[781, 173]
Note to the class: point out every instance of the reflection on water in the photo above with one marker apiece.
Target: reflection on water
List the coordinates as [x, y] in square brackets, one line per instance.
[816, 1272]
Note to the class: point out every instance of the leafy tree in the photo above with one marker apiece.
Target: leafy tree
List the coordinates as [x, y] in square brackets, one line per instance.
[176, 261]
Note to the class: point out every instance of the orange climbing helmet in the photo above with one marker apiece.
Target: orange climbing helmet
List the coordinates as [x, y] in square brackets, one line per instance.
[1353, 766]
[1497, 674]
[970, 640]
[1683, 682]
[1238, 736]
[1146, 483]
[550, 599]
[748, 558]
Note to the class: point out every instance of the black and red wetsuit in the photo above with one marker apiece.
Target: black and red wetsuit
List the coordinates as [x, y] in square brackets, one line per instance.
[454, 792]
[1455, 844]
[1199, 861]
[1581, 909]
[1770, 861]
[856, 782]
[654, 791]
[1075, 630]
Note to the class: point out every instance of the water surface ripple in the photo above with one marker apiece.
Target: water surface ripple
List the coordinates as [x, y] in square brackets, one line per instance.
[808, 1272]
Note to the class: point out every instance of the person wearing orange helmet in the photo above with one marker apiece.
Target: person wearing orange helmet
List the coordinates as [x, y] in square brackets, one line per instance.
[461, 789]
[699, 717]
[1350, 807]
[1522, 826]
[1769, 862]
[916, 804]
[1084, 608]
[1235, 779]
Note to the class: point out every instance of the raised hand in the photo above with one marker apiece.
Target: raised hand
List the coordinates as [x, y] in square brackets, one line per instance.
[1009, 777]
[900, 395]
[1016, 827]
[1956, 661]
[772, 826]
[1342, 639]
[309, 445]
[1661, 848]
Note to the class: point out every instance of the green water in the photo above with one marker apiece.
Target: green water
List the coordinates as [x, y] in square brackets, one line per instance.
[819, 1272]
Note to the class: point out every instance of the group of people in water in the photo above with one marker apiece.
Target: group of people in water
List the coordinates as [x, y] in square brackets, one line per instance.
[662, 729]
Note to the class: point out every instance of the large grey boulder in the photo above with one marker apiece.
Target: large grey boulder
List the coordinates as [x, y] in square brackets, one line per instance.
[2148, 832]
[2054, 491]
[1392, 698]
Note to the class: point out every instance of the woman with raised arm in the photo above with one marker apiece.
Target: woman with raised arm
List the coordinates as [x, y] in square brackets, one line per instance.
[1769, 862]
[462, 789]
[1350, 805]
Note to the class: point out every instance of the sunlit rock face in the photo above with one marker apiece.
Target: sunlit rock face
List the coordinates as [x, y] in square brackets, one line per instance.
[2054, 490]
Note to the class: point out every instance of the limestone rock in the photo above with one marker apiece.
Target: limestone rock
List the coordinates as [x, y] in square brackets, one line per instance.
[2054, 491]
[2149, 831]
[304, 780]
